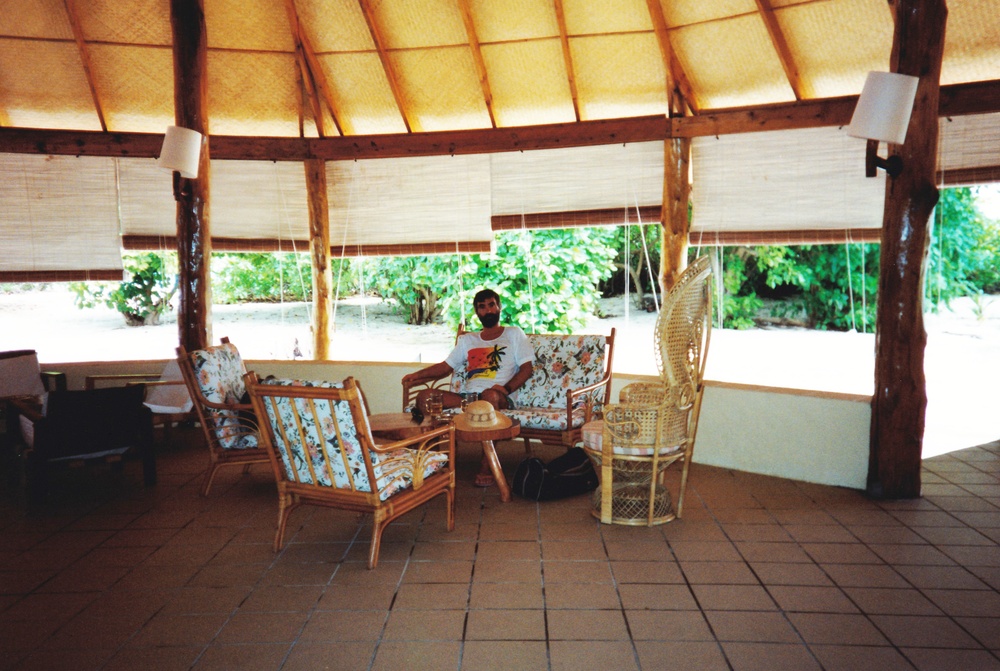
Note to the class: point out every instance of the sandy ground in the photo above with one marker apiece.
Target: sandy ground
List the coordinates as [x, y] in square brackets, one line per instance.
[962, 361]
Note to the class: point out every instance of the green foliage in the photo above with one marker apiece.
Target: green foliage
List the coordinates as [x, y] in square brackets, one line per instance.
[963, 251]
[143, 297]
[633, 244]
[547, 280]
[263, 278]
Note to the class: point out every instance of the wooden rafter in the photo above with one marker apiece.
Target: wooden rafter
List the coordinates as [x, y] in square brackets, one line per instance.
[781, 46]
[313, 75]
[567, 57]
[81, 46]
[383, 56]
[477, 58]
[679, 91]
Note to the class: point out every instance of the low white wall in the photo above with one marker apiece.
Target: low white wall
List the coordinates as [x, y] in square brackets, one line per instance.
[811, 436]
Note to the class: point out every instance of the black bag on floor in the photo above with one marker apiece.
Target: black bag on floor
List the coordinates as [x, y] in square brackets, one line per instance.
[571, 474]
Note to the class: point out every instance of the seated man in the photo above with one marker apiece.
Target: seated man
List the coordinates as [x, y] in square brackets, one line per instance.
[499, 359]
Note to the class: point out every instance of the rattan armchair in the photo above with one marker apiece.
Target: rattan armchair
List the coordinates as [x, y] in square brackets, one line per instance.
[654, 425]
[321, 449]
[214, 378]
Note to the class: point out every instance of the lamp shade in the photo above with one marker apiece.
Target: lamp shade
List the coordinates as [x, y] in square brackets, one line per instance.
[883, 110]
[20, 374]
[181, 151]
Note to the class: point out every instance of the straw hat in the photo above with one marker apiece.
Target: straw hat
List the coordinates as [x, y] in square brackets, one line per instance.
[480, 416]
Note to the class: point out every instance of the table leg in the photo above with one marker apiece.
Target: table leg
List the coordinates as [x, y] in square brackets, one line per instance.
[490, 452]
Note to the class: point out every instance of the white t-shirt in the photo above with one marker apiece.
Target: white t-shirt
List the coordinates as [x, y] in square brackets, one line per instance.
[490, 362]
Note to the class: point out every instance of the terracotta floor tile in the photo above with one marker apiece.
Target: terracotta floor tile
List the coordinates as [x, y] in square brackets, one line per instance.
[790, 574]
[508, 550]
[766, 656]
[657, 597]
[581, 595]
[173, 658]
[583, 625]
[420, 596]
[705, 551]
[592, 656]
[646, 572]
[417, 656]
[340, 597]
[836, 629]
[864, 575]
[499, 570]
[278, 598]
[344, 625]
[941, 577]
[557, 571]
[758, 533]
[192, 600]
[687, 530]
[248, 657]
[504, 655]
[222, 575]
[80, 660]
[626, 550]
[733, 597]
[574, 550]
[512, 531]
[751, 627]
[490, 595]
[985, 629]
[340, 656]
[936, 659]
[299, 573]
[809, 599]
[841, 553]
[912, 631]
[911, 554]
[666, 625]
[718, 573]
[425, 625]
[855, 657]
[167, 629]
[444, 551]
[249, 628]
[681, 656]
[438, 571]
[505, 625]
[892, 601]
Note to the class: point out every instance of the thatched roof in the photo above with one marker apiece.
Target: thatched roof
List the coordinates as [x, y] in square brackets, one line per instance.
[412, 66]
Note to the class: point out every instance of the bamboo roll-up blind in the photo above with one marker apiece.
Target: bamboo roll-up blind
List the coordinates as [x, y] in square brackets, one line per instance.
[969, 149]
[789, 180]
[58, 219]
[408, 202]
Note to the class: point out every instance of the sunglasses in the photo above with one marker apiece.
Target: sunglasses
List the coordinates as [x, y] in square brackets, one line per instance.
[416, 415]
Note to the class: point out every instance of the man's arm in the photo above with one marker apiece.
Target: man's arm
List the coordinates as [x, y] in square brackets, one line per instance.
[435, 372]
[516, 382]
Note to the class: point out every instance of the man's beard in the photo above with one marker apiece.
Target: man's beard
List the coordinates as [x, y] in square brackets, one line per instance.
[489, 320]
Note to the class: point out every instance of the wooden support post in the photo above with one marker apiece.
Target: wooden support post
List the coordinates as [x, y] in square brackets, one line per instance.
[900, 399]
[319, 246]
[676, 199]
[194, 243]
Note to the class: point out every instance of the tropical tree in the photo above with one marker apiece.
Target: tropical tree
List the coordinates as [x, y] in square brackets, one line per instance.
[143, 297]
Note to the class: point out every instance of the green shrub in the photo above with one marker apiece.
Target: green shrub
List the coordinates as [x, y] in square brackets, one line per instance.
[143, 297]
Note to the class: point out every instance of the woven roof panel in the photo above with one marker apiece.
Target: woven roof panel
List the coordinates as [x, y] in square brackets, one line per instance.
[619, 75]
[261, 25]
[348, 33]
[836, 44]
[442, 89]
[687, 12]
[143, 102]
[361, 94]
[731, 63]
[601, 17]
[131, 22]
[972, 42]
[412, 24]
[252, 94]
[513, 20]
[35, 18]
[43, 86]
[528, 81]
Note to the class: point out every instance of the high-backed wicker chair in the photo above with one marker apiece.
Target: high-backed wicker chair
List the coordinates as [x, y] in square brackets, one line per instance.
[654, 425]
[214, 378]
[321, 448]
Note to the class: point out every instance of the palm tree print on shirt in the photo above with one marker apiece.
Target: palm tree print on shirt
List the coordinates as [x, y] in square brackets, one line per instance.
[484, 362]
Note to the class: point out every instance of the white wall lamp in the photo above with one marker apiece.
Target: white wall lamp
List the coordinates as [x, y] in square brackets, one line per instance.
[181, 154]
[883, 115]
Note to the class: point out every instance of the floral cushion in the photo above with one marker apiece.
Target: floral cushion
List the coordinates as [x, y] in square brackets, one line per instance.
[335, 458]
[219, 371]
[550, 419]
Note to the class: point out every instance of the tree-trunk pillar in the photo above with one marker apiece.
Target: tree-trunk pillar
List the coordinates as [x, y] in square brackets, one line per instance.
[676, 196]
[319, 246]
[194, 243]
[900, 399]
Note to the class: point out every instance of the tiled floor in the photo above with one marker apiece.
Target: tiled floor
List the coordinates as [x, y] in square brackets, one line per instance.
[761, 573]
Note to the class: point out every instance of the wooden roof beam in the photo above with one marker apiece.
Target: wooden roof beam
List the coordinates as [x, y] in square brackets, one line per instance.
[81, 45]
[383, 56]
[679, 91]
[956, 100]
[567, 57]
[781, 46]
[312, 71]
[477, 58]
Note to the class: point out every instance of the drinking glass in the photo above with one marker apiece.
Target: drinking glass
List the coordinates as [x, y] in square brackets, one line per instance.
[468, 398]
[435, 404]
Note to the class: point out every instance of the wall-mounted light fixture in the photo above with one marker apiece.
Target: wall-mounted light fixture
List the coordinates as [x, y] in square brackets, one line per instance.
[181, 151]
[883, 115]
